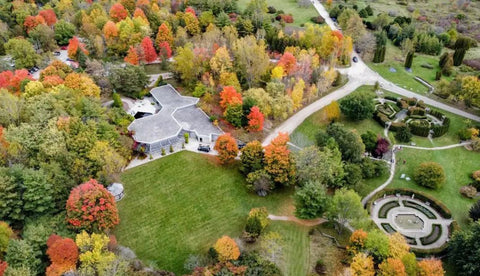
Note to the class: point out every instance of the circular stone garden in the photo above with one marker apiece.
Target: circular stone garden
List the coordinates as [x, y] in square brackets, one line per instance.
[396, 113]
[423, 222]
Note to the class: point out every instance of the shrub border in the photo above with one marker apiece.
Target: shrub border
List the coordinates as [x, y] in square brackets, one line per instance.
[425, 240]
[418, 207]
[390, 205]
[434, 203]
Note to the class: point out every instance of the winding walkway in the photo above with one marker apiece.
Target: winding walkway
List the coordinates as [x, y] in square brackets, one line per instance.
[393, 164]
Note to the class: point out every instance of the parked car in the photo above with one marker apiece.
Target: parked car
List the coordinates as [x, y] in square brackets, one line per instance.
[56, 53]
[355, 59]
[204, 148]
[240, 144]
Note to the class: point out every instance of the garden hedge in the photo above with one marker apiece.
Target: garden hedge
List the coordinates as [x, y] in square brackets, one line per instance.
[434, 203]
[433, 236]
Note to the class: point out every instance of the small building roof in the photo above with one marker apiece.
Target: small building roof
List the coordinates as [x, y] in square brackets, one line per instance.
[177, 112]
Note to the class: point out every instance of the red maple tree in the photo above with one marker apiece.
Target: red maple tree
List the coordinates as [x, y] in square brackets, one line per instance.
[229, 96]
[49, 16]
[227, 148]
[12, 80]
[74, 45]
[191, 11]
[91, 207]
[118, 12]
[288, 62]
[149, 52]
[139, 13]
[255, 119]
[110, 30]
[3, 267]
[165, 52]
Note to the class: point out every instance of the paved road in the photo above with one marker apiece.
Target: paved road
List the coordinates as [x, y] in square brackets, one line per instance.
[358, 74]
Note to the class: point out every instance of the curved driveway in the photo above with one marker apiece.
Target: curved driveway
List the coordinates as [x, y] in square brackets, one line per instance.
[358, 74]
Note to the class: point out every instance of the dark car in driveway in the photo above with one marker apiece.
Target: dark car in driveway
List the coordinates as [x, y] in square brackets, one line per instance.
[204, 148]
[355, 59]
[240, 144]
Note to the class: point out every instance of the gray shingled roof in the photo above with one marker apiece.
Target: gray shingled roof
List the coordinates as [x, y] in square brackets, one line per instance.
[177, 112]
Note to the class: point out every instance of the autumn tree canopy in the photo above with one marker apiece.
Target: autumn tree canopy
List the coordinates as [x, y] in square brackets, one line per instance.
[227, 148]
[227, 249]
[91, 207]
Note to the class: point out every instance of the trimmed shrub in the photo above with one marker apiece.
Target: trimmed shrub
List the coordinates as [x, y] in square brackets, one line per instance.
[430, 175]
[468, 191]
[474, 212]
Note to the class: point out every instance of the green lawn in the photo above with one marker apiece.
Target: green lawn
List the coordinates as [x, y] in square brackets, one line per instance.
[301, 15]
[401, 77]
[458, 163]
[181, 204]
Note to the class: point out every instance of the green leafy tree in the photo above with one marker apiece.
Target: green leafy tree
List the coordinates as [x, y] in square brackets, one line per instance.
[377, 244]
[21, 254]
[430, 175]
[5, 235]
[349, 142]
[409, 60]
[369, 139]
[311, 200]
[64, 31]
[346, 207]
[353, 174]
[252, 157]
[10, 198]
[474, 211]
[323, 165]
[43, 38]
[251, 58]
[21, 50]
[463, 250]
[403, 134]
[129, 80]
[234, 114]
[358, 106]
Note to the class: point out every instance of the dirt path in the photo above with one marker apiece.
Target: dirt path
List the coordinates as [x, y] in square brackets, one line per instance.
[304, 222]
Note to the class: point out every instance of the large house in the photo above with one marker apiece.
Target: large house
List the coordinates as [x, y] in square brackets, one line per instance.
[177, 115]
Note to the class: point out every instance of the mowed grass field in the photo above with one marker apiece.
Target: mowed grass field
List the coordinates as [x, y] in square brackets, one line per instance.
[181, 204]
[458, 164]
[301, 15]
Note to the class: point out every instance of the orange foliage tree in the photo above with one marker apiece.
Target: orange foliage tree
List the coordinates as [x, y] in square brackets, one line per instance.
[229, 96]
[132, 56]
[13, 80]
[227, 148]
[118, 12]
[430, 267]
[91, 207]
[255, 119]
[164, 34]
[357, 241]
[227, 249]
[49, 16]
[392, 267]
[63, 254]
[148, 50]
[74, 45]
[110, 30]
[139, 13]
[278, 162]
[56, 68]
[51, 81]
[288, 62]
[32, 21]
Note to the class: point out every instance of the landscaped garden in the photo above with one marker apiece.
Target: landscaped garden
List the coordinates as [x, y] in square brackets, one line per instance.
[458, 164]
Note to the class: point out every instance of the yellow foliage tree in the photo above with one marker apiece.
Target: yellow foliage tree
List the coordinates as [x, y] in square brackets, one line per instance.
[94, 256]
[221, 61]
[230, 79]
[33, 88]
[83, 84]
[362, 265]
[227, 249]
[332, 111]
[278, 72]
[297, 93]
[398, 245]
